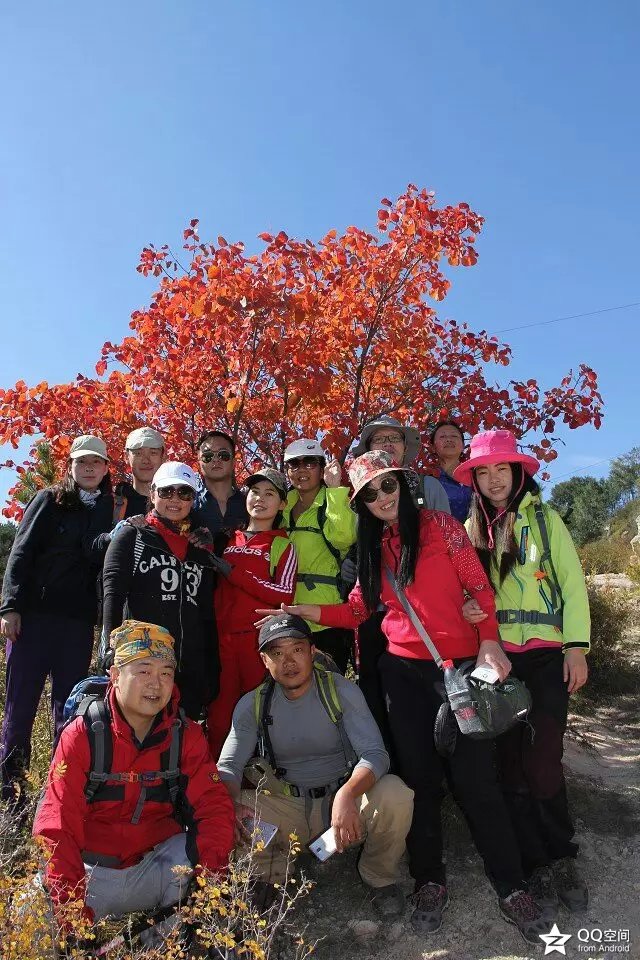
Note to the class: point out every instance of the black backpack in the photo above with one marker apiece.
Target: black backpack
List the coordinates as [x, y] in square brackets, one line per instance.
[87, 700]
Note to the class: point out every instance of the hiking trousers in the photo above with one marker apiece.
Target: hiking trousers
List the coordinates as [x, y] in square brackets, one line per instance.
[241, 670]
[372, 643]
[151, 884]
[530, 762]
[414, 692]
[385, 814]
[48, 645]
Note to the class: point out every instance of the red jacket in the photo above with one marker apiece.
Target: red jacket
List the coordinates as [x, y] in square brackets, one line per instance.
[251, 583]
[446, 568]
[70, 825]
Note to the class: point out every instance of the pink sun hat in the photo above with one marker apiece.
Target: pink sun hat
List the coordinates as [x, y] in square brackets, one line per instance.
[493, 446]
[369, 466]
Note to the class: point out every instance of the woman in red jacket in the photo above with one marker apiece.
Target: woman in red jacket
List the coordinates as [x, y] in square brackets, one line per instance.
[435, 564]
[258, 566]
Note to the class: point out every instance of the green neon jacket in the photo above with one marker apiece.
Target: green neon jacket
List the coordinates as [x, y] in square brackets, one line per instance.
[527, 587]
[314, 556]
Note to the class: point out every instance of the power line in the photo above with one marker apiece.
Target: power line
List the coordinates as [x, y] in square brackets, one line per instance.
[573, 316]
[589, 466]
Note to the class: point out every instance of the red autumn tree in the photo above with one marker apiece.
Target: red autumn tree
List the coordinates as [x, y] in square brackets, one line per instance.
[302, 339]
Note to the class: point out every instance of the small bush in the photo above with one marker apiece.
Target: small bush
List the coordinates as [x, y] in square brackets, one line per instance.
[605, 556]
[633, 568]
[610, 670]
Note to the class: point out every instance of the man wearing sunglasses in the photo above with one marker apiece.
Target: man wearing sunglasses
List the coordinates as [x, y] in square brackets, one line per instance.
[220, 505]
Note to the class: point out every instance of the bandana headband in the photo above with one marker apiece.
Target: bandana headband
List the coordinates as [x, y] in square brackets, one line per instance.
[135, 640]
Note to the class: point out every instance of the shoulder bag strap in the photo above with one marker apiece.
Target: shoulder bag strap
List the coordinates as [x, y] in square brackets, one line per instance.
[402, 597]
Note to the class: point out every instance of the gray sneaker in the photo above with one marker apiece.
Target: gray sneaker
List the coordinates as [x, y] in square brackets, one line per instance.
[520, 909]
[572, 890]
[428, 903]
[543, 890]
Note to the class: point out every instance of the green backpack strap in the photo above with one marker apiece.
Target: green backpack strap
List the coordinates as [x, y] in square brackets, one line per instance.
[262, 704]
[326, 684]
[546, 560]
[278, 547]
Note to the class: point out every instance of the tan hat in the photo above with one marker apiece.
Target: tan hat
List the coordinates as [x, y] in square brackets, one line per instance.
[144, 437]
[86, 446]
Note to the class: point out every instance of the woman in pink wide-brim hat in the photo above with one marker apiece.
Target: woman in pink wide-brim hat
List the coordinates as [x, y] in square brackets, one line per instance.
[543, 614]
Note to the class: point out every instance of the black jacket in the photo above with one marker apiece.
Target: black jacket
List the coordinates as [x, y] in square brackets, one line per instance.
[55, 558]
[143, 580]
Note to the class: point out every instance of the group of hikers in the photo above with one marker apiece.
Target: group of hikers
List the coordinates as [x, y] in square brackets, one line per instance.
[229, 617]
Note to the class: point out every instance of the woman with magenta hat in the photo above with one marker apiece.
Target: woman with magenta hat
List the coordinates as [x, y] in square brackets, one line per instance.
[543, 612]
[427, 555]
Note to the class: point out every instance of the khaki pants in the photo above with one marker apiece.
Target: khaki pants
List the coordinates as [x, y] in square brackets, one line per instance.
[385, 812]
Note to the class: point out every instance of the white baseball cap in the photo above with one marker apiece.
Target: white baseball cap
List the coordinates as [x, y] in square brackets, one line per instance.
[144, 437]
[174, 473]
[304, 448]
[87, 446]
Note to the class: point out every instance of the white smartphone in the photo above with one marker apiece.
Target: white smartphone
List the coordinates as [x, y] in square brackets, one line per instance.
[324, 846]
[485, 674]
[260, 830]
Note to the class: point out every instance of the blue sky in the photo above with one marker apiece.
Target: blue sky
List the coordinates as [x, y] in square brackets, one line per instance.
[121, 122]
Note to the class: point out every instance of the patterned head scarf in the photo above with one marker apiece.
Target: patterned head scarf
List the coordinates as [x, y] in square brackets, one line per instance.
[135, 640]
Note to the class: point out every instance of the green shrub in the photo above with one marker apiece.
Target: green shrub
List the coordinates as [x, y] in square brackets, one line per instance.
[611, 671]
[633, 568]
[605, 556]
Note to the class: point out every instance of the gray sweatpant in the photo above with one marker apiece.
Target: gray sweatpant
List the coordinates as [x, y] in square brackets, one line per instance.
[149, 885]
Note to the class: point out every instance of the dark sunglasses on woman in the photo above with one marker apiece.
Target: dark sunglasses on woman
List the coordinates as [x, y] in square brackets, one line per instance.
[387, 485]
[306, 462]
[183, 493]
[210, 455]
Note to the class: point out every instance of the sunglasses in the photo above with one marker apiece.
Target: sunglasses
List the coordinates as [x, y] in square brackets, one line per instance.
[306, 462]
[183, 493]
[387, 485]
[389, 438]
[210, 455]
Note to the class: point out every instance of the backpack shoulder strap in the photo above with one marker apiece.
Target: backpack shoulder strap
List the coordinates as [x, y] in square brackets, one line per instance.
[326, 684]
[262, 704]
[98, 726]
[278, 547]
[172, 767]
[546, 559]
[322, 517]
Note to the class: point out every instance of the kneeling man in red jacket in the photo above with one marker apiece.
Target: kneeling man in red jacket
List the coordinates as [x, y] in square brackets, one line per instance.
[115, 847]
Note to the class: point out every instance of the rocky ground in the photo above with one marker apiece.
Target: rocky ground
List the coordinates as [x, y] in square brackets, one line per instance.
[603, 771]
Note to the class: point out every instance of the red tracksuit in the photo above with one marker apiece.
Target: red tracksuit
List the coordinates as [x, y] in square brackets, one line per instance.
[250, 584]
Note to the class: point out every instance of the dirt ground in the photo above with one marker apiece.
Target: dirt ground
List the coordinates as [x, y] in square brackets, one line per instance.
[602, 762]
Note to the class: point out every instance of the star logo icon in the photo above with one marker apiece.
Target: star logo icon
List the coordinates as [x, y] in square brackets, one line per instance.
[554, 941]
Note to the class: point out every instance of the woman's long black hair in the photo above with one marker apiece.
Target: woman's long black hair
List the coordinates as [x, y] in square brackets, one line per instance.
[505, 546]
[370, 530]
[67, 492]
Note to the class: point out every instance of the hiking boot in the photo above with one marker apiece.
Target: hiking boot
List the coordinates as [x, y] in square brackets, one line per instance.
[572, 890]
[387, 901]
[520, 909]
[543, 890]
[429, 903]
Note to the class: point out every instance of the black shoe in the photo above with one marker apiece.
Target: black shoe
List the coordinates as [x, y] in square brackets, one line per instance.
[520, 909]
[572, 890]
[388, 902]
[542, 888]
[429, 903]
